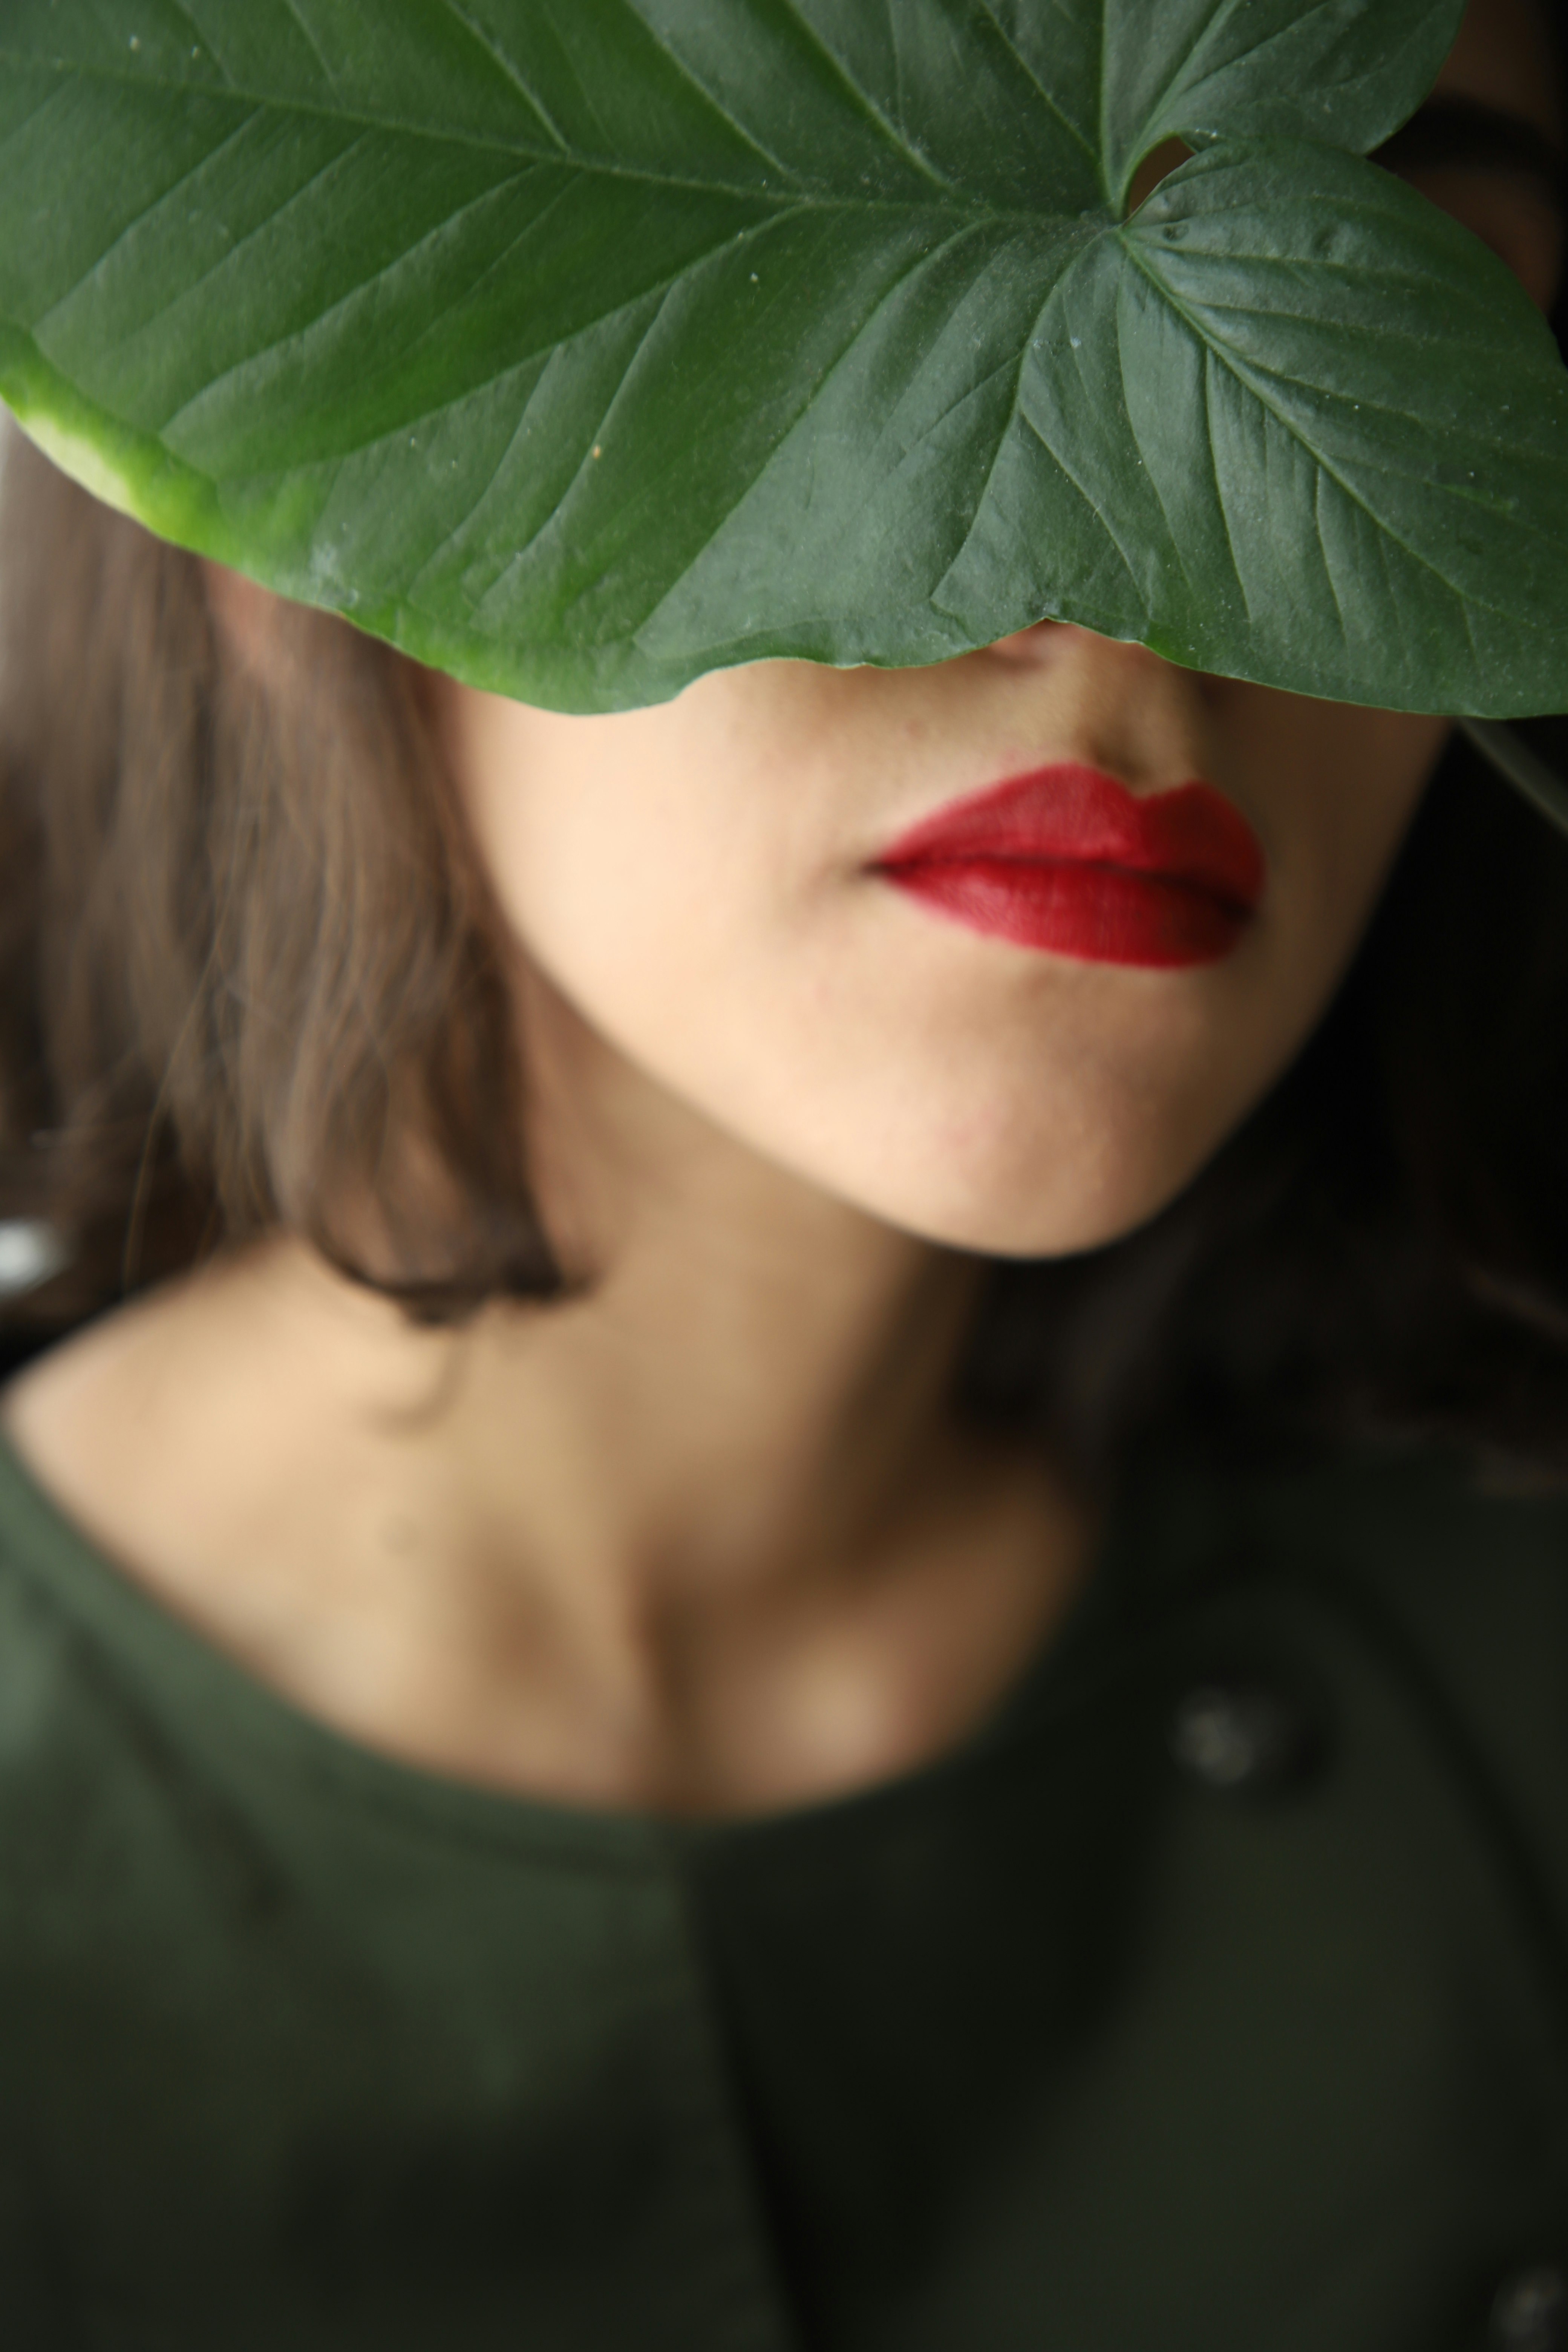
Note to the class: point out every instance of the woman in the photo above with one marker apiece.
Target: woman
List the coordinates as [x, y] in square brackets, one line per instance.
[763, 1688]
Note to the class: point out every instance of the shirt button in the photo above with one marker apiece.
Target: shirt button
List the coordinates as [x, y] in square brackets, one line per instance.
[1530, 2312]
[1230, 1736]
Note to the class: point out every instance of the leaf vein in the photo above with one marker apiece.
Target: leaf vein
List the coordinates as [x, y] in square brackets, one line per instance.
[1052, 103]
[1219, 497]
[363, 286]
[312, 43]
[355, 293]
[1384, 530]
[864, 101]
[1319, 477]
[894, 286]
[710, 98]
[165, 196]
[1092, 505]
[599, 166]
[508, 71]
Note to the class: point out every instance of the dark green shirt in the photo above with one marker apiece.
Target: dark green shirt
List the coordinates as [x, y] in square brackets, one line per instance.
[1213, 1999]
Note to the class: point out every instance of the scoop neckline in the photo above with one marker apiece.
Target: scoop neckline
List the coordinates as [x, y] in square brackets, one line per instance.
[198, 1683]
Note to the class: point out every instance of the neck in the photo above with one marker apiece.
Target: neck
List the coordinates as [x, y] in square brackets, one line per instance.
[750, 1389]
[703, 1536]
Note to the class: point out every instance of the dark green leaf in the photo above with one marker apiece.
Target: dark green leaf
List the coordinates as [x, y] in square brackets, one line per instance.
[580, 346]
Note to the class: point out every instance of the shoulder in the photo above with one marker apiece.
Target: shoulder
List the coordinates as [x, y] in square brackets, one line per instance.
[183, 1436]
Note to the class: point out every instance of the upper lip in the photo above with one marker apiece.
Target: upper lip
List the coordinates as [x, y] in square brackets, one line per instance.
[1072, 814]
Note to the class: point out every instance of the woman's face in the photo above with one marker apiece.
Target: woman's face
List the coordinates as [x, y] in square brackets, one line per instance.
[698, 883]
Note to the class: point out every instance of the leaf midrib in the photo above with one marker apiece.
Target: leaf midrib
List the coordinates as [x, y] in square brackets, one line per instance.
[563, 159]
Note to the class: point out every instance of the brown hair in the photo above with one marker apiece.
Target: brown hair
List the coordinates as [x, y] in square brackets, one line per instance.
[252, 976]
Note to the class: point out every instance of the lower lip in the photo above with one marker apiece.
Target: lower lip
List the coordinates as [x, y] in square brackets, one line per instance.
[1099, 914]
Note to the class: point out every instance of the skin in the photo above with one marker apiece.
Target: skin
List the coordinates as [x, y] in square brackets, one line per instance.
[707, 1539]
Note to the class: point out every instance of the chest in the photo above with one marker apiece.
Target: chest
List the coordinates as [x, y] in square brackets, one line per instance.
[1216, 2001]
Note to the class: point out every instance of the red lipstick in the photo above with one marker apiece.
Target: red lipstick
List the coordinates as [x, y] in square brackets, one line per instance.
[1069, 860]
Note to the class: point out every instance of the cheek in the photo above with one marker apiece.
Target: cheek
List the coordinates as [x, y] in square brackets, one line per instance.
[659, 883]
[593, 836]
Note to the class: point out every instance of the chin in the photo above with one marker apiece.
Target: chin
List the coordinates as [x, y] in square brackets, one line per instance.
[1046, 1211]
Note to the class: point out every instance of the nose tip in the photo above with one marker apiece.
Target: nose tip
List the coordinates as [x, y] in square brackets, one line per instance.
[1048, 640]
[1139, 714]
